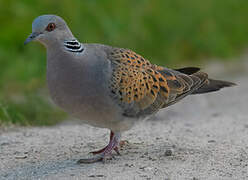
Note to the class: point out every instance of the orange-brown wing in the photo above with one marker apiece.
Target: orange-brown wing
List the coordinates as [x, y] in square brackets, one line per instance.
[142, 88]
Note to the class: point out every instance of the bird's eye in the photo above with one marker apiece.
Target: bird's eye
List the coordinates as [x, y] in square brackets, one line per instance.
[50, 27]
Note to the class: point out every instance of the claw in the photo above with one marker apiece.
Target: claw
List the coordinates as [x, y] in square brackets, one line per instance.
[123, 143]
[117, 151]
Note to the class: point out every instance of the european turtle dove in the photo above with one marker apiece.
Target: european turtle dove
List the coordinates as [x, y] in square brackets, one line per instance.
[110, 87]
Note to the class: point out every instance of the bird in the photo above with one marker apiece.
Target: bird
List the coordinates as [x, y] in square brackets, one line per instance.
[110, 87]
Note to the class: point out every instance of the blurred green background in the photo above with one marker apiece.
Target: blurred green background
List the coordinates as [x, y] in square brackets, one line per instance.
[167, 32]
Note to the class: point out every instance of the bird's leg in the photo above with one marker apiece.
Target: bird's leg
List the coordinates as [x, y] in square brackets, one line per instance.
[101, 150]
[102, 154]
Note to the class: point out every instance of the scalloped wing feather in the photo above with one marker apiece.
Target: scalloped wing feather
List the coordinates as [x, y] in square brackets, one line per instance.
[142, 88]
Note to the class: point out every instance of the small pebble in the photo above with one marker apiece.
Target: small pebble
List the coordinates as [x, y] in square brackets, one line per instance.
[4, 144]
[129, 165]
[98, 175]
[211, 141]
[168, 152]
[21, 157]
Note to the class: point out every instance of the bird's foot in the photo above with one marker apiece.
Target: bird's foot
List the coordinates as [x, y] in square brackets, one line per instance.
[116, 149]
[103, 154]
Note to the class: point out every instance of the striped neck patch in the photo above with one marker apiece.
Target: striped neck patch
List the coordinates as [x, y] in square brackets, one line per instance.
[73, 46]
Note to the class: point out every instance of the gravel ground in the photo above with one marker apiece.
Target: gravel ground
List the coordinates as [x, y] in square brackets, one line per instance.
[201, 137]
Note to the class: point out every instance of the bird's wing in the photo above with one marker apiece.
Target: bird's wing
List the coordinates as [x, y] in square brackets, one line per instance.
[142, 88]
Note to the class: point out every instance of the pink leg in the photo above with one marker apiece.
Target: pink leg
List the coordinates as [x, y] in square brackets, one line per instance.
[101, 150]
[116, 149]
[101, 155]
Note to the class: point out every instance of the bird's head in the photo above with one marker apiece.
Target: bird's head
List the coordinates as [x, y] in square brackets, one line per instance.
[48, 29]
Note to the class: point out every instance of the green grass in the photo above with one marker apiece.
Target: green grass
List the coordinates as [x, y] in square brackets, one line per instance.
[168, 32]
[30, 110]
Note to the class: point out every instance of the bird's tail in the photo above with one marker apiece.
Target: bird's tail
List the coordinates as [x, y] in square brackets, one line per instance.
[209, 85]
[213, 85]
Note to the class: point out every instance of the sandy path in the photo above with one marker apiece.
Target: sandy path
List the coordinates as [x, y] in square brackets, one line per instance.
[202, 137]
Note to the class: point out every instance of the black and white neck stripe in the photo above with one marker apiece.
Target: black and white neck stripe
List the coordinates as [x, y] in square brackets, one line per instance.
[73, 46]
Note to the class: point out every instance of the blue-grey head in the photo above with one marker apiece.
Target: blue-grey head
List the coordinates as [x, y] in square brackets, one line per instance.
[48, 30]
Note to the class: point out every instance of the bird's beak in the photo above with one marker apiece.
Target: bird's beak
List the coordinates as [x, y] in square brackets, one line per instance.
[31, 37]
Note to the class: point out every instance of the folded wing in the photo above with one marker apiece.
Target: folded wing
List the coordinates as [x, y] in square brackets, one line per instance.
[142, 88]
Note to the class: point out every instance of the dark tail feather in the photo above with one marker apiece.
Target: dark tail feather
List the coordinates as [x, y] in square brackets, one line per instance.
[213, 85]
[188, 70]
